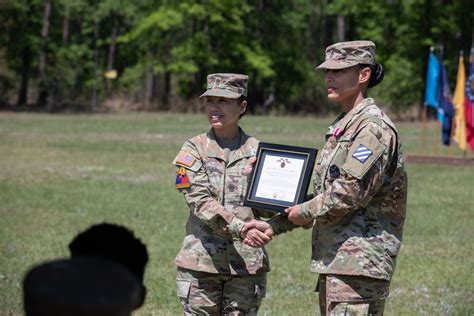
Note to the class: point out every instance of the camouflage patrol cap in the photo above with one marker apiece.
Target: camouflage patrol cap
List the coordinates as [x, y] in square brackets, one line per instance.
[347, 54]
[226, 85]
[84, 286]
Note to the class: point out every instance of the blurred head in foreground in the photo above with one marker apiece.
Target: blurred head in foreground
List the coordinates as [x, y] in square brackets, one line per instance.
[104, 276]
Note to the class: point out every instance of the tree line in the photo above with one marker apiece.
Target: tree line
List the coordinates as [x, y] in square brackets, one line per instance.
[155, 54]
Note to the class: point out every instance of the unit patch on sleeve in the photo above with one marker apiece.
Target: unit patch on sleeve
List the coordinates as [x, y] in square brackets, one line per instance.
[362, 153]
[182, 179]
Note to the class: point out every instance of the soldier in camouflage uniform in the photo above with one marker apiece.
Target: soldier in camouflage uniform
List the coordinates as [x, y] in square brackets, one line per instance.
[217, 273]
[360, 191]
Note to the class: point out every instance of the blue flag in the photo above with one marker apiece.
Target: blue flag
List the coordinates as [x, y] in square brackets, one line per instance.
[432, 75]
[445, 105]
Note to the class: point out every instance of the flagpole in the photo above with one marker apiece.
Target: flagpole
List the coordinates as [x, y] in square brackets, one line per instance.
[437, 137]
[451, 137]
[424, 114]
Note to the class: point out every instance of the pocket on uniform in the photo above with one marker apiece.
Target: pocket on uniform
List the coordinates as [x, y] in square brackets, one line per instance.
[336, 160]
[182, 288]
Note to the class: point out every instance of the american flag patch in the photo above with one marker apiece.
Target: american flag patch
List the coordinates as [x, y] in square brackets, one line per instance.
[185, 159]
[362, 153]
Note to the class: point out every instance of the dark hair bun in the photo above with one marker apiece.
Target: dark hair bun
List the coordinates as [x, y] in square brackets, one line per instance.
[376, 75]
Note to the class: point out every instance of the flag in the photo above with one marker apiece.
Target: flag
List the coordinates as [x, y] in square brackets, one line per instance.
[445, 105]
[432, 82]
[458, 102]
[469, 103]
[431, 86]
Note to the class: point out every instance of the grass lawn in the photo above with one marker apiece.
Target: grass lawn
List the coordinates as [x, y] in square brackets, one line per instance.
[59, 174]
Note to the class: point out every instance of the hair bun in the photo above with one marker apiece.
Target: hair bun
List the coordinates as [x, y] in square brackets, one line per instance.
[376, 76]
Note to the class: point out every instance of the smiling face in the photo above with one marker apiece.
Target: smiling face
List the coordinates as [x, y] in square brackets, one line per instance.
[223, 113]
[346, 85]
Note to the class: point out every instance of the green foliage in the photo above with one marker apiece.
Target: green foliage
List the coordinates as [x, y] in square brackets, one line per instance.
[132, 77]
[403, 32]
[277, 43]
[257, 60]
[164, 19]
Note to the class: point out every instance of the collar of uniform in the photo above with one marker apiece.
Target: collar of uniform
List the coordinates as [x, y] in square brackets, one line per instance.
[332, 125]
[245, 150]
[359, 107]
[340, 122]
[212, 147]
[362, 105]
[343, 120]
[215, 151]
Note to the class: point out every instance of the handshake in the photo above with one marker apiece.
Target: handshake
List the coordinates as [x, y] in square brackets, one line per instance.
[258, 233]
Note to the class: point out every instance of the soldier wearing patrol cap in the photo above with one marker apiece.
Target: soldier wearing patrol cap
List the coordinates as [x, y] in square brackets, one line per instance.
[360, 191]
[103, 277]
[217, 273]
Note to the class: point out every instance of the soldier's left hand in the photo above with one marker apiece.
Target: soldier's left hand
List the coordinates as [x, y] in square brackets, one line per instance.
[249, 166]
[295, 217]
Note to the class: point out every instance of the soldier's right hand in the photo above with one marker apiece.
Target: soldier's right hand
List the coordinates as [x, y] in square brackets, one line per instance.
[256, 238]
[256, 233]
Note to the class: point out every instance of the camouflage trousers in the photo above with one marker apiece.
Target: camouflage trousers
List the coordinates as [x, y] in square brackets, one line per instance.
[204, 293]
[351, 295]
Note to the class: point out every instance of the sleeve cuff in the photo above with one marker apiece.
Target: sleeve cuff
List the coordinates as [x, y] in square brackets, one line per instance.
[280, 224]
[275, 227]
[305, 211]
[235, 227]
[309, 196]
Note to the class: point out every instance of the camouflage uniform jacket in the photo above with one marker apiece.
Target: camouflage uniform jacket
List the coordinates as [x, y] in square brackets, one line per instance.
[215, 197]
[359, 205]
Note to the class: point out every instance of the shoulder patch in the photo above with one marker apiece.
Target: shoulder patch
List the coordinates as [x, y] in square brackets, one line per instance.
[188, 159]
[185, 159]
[362, 153]
[182, 179]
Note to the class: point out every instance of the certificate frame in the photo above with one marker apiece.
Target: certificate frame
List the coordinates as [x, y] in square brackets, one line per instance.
[265, 176]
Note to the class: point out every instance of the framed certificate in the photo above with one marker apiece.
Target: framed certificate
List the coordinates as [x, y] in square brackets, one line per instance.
[280, 176]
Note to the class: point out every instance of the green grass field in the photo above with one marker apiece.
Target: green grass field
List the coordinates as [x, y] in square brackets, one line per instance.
[59, 174]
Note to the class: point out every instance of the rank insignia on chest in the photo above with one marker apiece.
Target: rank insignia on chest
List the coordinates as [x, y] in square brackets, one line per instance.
[185, 159]
[182, 179]
[362, 153]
